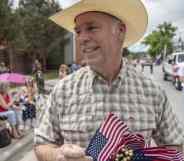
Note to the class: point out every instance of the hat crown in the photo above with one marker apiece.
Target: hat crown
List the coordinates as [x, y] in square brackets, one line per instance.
[131, 12]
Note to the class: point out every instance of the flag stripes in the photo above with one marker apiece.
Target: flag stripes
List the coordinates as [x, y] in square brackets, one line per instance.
[113, 136]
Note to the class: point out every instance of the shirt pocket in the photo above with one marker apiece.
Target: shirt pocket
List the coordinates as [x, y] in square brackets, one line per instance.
[145, 127]
[147, 134]
[78, 129]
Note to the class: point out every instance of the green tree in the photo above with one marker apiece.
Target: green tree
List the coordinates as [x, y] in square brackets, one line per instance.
[7, 18]
[160, 39]
[9, 28]
[39, 31]
[126, 52]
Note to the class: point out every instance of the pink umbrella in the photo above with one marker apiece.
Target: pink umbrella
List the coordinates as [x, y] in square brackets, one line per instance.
[13, 78]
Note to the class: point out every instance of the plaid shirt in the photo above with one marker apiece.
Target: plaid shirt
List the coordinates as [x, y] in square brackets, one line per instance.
[80, 102]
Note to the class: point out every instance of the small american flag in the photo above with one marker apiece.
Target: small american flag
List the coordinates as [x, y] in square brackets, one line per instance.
[113, 139]
[107, 138]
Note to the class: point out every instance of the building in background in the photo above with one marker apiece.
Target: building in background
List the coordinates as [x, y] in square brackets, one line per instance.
[20, 61]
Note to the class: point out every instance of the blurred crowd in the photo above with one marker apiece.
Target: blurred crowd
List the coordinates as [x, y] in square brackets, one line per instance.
[21, 107]
[4, 68]
[17, 108]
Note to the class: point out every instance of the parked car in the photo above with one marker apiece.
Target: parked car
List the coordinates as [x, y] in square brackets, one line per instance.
[171, 66]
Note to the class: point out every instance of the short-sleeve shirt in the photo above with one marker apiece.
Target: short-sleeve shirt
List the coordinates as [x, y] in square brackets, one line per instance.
[181, 70]
[80, 102]
[39, 76]
[7, 100]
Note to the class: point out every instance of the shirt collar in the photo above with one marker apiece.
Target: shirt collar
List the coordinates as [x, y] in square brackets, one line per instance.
[92, 75]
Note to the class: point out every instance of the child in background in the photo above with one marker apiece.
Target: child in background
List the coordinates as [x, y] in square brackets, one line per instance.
[28, 100]
[63, 71]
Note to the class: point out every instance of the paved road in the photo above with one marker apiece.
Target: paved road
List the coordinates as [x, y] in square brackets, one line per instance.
[28, 156]
[176, 98]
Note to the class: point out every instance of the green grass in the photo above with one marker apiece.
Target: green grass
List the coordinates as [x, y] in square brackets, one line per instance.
[51, 74]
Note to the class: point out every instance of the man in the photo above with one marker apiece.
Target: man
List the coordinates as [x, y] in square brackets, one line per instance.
[80, 102]
[75, 67]
[181, 74]
[39, 77]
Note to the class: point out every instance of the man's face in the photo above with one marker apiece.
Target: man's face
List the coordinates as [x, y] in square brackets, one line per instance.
[99, 38]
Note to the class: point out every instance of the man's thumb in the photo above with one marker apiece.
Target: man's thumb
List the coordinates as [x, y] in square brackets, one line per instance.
[88, 158]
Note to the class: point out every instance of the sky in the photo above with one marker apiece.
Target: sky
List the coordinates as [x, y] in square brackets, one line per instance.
[164, 10]
[159, 11]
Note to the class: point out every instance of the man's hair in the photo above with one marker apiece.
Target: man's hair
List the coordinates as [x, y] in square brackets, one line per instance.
[105, 13]
[114, 17]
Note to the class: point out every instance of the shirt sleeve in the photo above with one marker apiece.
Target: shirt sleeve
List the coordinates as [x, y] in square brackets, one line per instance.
[169, 130]
[48, 130]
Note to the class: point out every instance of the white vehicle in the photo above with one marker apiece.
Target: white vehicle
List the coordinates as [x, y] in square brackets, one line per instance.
[171, 67]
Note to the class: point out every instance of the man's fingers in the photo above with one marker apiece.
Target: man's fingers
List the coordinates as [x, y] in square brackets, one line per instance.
[72, 151]
[60, 157]
[88, 158]
[85, 158]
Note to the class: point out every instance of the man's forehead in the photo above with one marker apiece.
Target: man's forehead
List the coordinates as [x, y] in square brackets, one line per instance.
[87, 19]
[92, 18]
[88, 22]
[95, 13]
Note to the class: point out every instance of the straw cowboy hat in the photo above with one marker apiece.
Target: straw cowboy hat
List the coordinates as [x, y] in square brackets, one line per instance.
[131, 12]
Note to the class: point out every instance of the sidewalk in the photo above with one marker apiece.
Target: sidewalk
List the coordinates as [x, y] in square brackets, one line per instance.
[17, 145]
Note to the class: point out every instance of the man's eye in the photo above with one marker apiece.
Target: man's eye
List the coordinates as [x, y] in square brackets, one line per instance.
[77, 32]
[92, 28]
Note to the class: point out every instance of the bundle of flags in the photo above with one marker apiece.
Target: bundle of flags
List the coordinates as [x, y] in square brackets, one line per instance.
[113, 141]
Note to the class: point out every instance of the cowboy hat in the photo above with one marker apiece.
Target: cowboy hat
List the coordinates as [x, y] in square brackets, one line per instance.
[131, 12]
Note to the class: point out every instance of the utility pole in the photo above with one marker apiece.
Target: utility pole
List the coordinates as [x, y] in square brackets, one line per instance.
[180, 42]
[165, 51]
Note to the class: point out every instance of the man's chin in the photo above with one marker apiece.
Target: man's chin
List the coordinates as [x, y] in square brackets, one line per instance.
[91, 63]
[94, 67]
[94, 63]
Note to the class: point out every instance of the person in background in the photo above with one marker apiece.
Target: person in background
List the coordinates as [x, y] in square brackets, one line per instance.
[3, 68]
[75, 67]
[181, 74]
[39, 77]
[79, 103]
[10, 109]
[35, 65]
[63, 71]
[28, 100]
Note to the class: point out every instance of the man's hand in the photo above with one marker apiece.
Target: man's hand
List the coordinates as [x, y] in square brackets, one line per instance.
[71, 152]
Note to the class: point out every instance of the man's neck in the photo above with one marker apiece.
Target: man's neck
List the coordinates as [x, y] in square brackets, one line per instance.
[111, 75]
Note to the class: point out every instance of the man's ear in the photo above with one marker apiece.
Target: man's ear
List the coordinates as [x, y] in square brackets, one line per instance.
[122, 27]
[122, 31]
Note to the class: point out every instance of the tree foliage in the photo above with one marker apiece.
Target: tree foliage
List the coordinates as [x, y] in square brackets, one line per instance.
[160, 39]
[8, 32]
[27, 28]
[38, 29]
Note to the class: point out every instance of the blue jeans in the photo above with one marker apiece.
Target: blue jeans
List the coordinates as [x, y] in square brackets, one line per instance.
[11, 115]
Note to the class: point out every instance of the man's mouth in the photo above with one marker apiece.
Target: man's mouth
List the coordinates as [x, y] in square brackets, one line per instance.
[90, 50]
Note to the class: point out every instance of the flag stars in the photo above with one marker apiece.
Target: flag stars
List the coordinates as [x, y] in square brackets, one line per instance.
[96, 145]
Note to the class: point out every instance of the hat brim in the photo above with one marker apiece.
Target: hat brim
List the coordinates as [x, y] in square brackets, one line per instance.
[131, 12]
